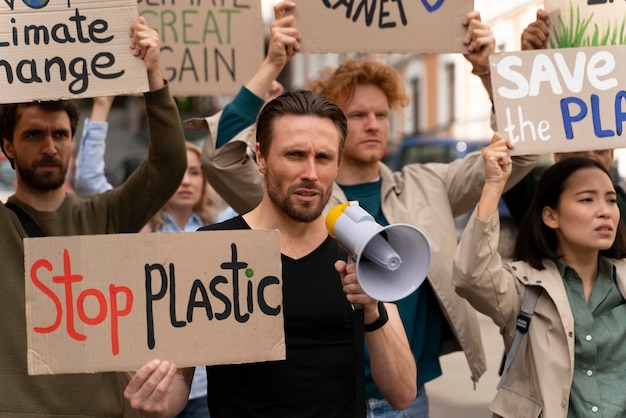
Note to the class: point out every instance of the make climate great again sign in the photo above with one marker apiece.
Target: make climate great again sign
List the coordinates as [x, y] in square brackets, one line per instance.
[54, 49]
[208, 47]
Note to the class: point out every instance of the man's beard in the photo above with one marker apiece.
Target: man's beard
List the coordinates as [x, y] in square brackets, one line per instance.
[308, 211]
[48, 181]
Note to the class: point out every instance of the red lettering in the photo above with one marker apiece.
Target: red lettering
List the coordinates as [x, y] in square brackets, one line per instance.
[45, 289]
[68, 278]
[115, 313]
[102, 303]
[118, 308]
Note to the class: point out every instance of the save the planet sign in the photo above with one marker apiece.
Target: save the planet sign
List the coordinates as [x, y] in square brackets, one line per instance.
[56, 49]
[570, 97]
[561, 100]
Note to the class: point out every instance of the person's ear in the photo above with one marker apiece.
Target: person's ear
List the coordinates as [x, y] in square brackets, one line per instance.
[260, 160]
[550, 217]
[8, 148]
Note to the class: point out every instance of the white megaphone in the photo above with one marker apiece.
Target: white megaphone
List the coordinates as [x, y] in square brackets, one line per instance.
[391, 261]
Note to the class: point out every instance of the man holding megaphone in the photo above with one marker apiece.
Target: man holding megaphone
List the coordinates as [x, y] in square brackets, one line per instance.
[300, 138]
[427, 196]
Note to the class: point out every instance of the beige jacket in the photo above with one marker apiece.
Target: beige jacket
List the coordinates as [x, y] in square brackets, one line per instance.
[539, 379]
[427, 196]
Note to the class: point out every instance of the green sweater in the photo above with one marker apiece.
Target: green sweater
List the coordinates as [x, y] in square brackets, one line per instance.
[125, 209]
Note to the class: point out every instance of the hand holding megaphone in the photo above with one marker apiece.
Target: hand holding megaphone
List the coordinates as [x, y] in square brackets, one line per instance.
[391, 261]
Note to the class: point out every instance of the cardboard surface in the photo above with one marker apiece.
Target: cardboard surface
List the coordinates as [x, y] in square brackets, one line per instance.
[577, 23]
[59, 49]
[380, 26]
[561, 100]
[208, 47]
[115, 302]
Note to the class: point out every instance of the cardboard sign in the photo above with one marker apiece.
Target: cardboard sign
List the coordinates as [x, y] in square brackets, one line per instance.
[62, 49]
[581, 23]
[115, 302]
[207, 47]
[380, 26]
[561, 100]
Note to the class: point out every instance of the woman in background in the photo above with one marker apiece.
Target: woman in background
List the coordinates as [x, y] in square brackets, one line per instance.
[194, 204]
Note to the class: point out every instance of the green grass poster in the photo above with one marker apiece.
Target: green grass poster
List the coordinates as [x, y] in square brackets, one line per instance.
[583, 23]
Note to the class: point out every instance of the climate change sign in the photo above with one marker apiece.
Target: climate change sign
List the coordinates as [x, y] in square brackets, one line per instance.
[114, 302]
[51, 49]
[379, 26]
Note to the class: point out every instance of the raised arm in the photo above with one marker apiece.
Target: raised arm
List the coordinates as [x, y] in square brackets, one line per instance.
[90, 174]
[498, 167]
[131, 205]
[146, 46]
[478, 273]
[284, 43]
[480, 44]
[226, 160]
[393, 366]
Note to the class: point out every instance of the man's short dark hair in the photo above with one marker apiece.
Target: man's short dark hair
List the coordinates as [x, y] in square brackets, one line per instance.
[300, 102]
[9, 116]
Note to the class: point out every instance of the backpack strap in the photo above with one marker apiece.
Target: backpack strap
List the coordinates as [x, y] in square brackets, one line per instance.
[523, 322]
[30, 226]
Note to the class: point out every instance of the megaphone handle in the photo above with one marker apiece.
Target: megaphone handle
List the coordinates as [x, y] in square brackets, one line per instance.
[355, 306]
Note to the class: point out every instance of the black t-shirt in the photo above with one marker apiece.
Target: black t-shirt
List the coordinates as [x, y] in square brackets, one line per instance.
[319, 377]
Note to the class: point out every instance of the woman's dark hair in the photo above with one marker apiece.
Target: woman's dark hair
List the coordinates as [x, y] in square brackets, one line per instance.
[300, 102]
[535, 240]
[9, 116]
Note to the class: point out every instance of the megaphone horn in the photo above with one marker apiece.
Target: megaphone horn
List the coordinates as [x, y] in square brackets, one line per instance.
[391, 262]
